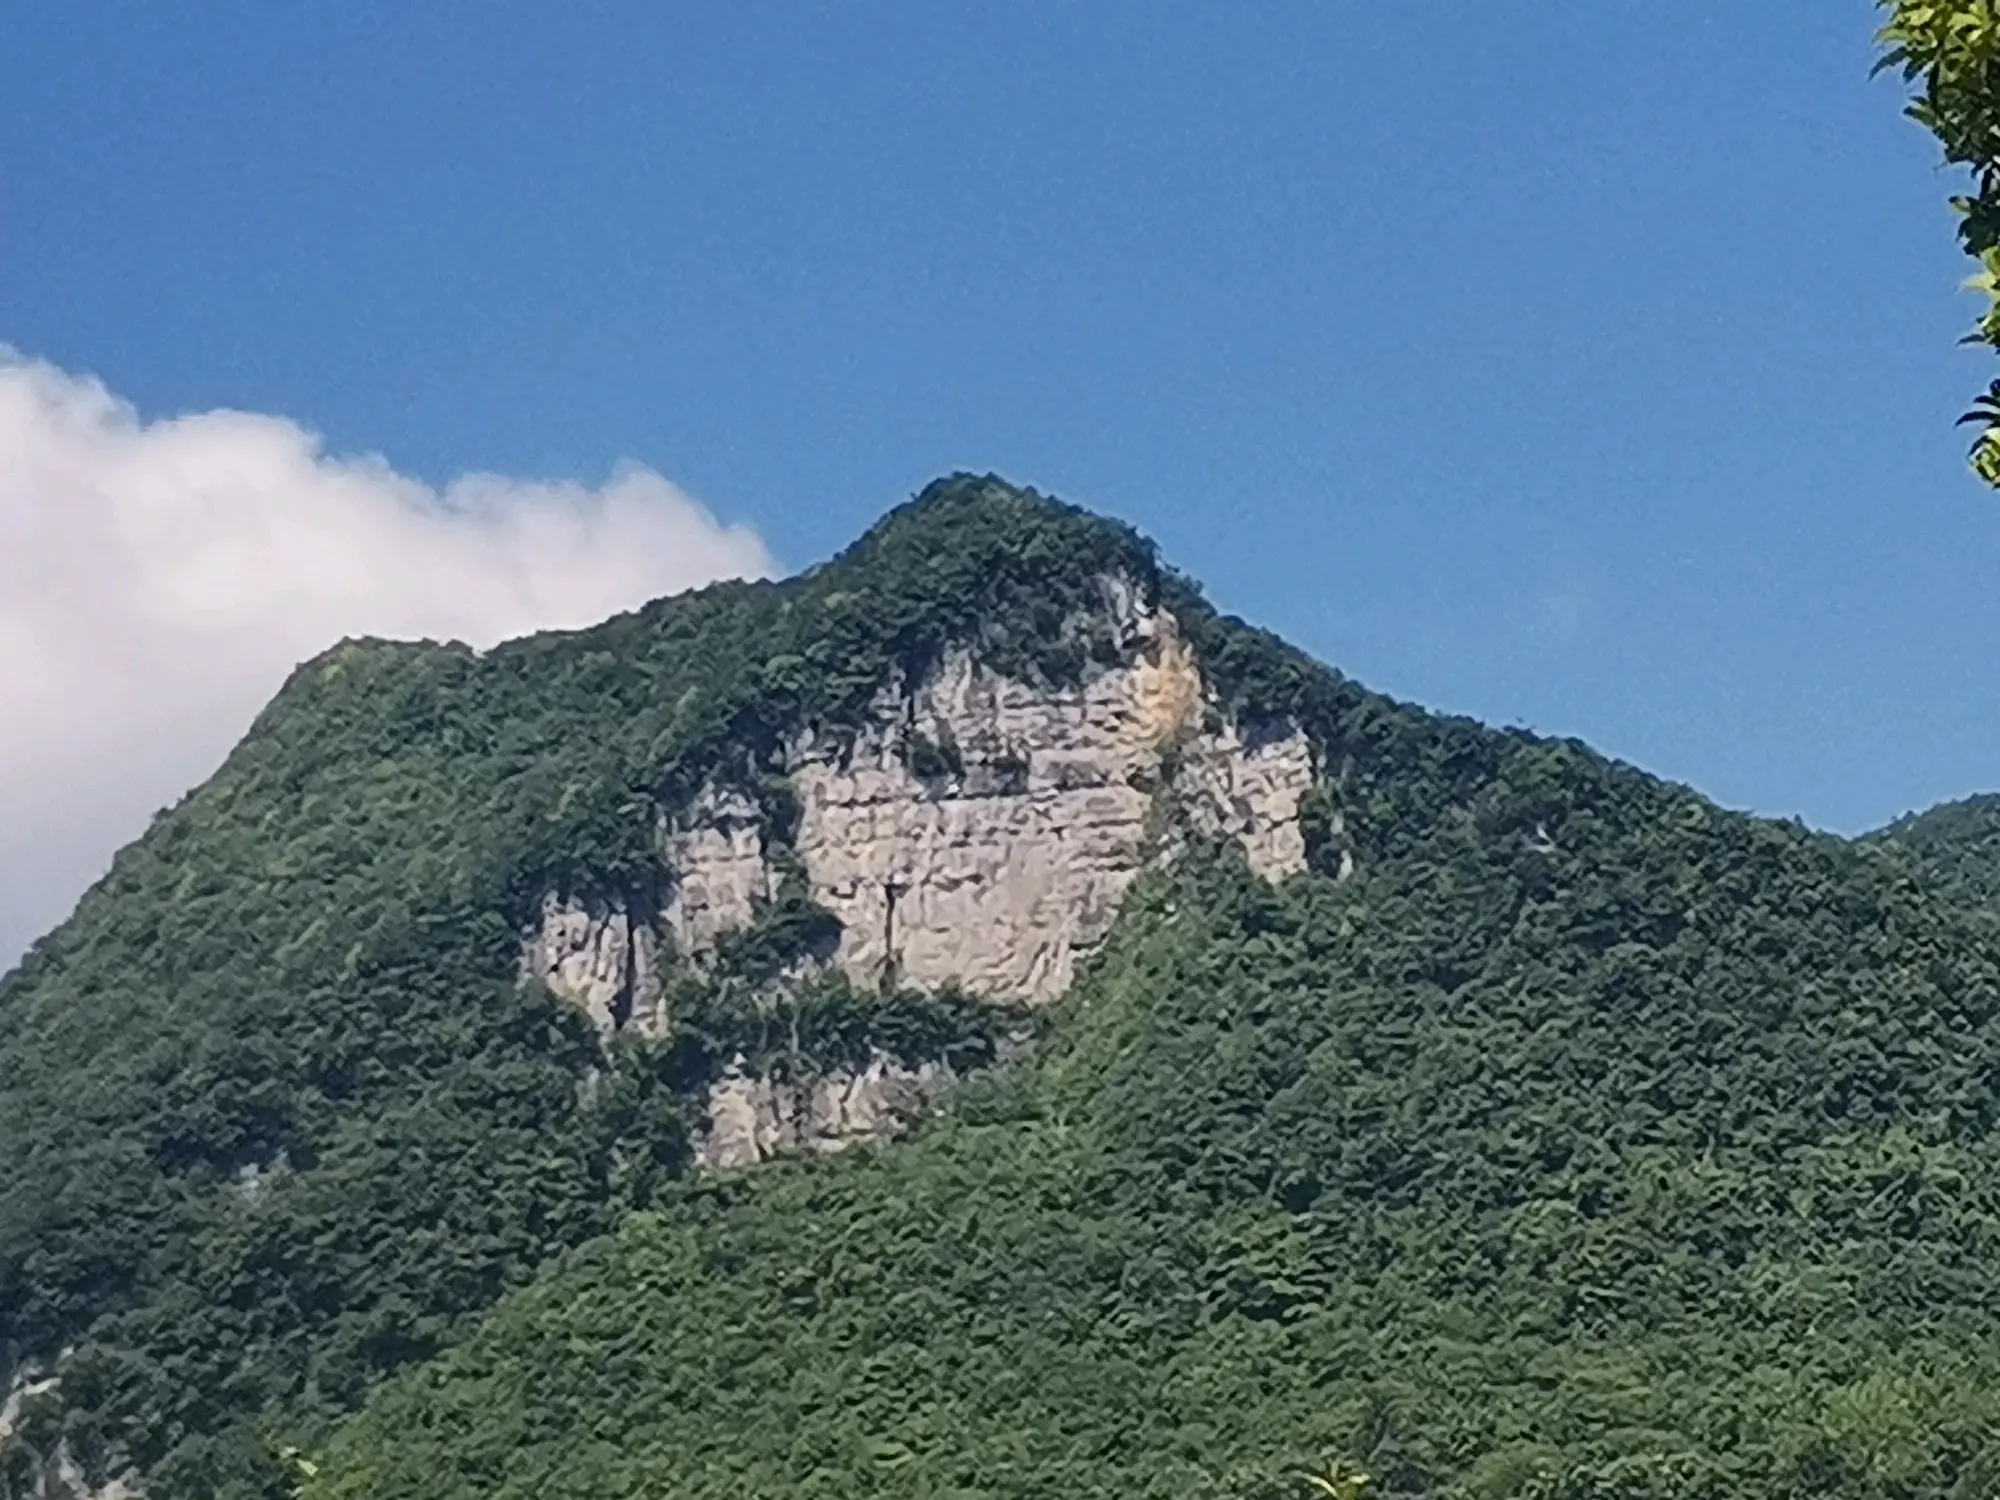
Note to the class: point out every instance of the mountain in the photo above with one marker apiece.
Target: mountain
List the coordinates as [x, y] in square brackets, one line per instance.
[972, 1020]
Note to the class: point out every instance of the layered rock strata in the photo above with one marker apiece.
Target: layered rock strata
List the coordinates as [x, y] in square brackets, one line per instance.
[753, 1118]
[977, 831]
[597, 957]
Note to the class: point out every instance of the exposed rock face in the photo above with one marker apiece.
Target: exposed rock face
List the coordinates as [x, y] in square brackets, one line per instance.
[1000, 870]
[255, 1179]
[596, 957]
[26, 1385]
[996, 873]
[753, 1119]
[1251, 790]
[716, 849]
[979, 831]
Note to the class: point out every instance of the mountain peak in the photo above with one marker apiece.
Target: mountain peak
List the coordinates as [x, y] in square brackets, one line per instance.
[968, 549]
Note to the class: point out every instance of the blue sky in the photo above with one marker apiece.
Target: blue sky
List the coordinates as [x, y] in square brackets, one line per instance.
[1588, 367]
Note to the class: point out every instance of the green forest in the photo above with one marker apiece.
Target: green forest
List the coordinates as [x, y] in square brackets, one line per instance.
[1556, 1133]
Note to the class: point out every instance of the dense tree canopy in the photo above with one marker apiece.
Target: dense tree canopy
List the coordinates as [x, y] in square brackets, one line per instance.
[1956, 844]
[1588, 1142]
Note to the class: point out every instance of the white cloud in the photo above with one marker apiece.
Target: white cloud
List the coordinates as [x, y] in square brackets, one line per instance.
[159, 579]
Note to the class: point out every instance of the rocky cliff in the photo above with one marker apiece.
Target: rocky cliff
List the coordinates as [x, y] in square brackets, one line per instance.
[754, 1117]
[977, 830]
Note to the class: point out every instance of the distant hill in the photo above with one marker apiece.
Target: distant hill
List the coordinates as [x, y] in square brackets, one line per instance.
[971, 1020]
[1955, 843]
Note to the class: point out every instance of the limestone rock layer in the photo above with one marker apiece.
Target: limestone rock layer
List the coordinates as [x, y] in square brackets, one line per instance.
[753, 1118]
[978, 831]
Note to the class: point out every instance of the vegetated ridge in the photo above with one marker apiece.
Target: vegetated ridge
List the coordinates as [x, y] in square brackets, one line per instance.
[1956, 844]
[1547, 1131]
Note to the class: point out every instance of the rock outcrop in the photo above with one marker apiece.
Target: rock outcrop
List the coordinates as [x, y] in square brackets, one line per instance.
[752, 1118]
[597, 957]
[1251, 788]
[977, 830]
[722, 869]
[983, 830]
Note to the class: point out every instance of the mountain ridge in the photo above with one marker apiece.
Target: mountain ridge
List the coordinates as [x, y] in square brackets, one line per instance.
[1956, 843]
[296, 1123]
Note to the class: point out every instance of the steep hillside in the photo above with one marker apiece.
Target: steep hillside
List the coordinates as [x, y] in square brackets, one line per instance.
[1308, 1078]
[1587, 1141]
[1956, 844]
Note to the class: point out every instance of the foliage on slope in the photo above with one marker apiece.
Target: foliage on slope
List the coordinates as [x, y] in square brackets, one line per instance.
[1589, 1141]
[278, 1114]
[1955, 844]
